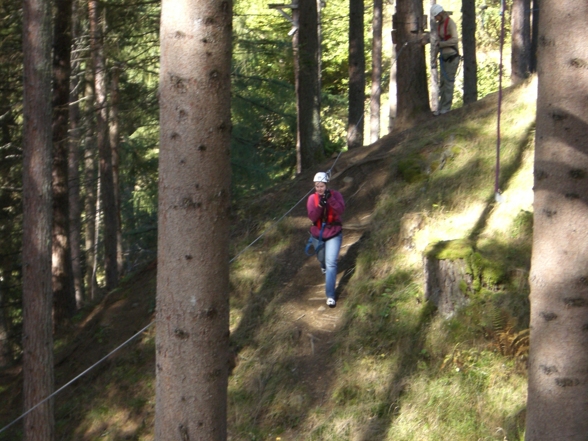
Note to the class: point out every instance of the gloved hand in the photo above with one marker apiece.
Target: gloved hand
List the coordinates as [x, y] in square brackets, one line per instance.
[327, 193]
[323, 201]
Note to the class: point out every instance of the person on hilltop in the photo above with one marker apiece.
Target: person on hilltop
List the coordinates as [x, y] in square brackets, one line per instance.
[325, 208]
[449, 56]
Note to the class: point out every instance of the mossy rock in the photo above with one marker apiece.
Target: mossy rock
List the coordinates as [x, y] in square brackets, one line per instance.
[483, 270]
[451, 249]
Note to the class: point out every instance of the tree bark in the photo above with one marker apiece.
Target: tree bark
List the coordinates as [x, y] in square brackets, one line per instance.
[558, 379]
[91, 193]
[308, 86]
[114, 132]
[104, 150]
[393, 91]
[375, 101]
[193, 243]
[37, 219]
[470, 63]
[413, 95]
[434, 54]
[534, 36]
[521, 40]
[75, 208]
[63, 296]
[355, 122]
[443, 284]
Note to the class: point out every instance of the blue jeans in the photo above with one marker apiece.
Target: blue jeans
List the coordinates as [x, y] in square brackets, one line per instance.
[447, 83]
[327, 256]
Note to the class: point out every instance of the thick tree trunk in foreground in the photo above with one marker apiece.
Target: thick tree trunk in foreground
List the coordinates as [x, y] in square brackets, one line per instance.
[37, 219]
[194, 182]
[558, 378]
[355, 122]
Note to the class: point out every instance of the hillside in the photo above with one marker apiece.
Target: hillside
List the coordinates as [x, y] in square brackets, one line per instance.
[383, 365]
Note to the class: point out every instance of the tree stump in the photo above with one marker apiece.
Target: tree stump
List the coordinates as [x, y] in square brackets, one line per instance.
[447, 281]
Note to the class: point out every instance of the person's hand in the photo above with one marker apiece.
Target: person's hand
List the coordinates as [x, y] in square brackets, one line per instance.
[425, 39]
[327, 193]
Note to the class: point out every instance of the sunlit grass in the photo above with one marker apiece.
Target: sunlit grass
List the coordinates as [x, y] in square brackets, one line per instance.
[402, 372]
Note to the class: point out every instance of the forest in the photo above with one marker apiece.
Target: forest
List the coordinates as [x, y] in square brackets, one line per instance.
[263, 138]
[308, 84]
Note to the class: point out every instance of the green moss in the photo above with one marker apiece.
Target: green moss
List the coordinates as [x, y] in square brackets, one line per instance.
[410, 169]
[522, 225]
[484, 271]
[451, 249]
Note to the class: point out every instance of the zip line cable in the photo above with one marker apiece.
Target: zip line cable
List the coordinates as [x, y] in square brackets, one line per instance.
[77, 377]
[153, 322]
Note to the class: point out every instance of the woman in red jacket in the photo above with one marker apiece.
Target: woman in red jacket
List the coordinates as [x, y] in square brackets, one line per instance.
[325, 208]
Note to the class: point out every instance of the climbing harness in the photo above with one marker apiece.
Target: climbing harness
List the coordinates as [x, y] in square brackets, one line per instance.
[320, 245]
[497, 193]
[451, 57]
[442, 65]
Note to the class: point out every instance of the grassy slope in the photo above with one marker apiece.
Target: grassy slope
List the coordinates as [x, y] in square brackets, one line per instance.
[399, 371]
[395, 369]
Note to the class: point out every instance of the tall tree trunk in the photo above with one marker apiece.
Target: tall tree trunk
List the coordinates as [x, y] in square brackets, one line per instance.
[521, 40]
[193, 244]
[470, 63]
[37, 219]
[91, 190]
[413, 95]
[63, 295]
[308, 86]
[434, 54]
[375, 101]
[393, 91]
[534, 36]
[355, 121]
[104, 151]
[558, 379]
[115, 147]
[75, 209]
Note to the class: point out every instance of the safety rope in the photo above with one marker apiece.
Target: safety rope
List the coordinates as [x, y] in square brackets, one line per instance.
[79, 376]
[497, 195]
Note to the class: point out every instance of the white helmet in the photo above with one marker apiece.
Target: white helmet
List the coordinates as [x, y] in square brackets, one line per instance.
[321, 177]
[436, 10]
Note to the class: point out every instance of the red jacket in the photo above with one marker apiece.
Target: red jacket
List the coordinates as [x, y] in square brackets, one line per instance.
[331, 214]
